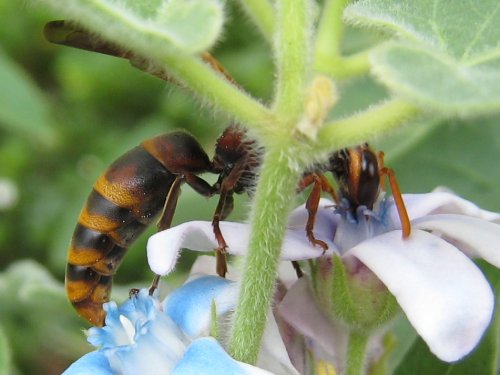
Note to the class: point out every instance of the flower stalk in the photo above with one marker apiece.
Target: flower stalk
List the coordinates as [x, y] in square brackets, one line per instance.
[270, 209]
[356, 353]
[292, 40]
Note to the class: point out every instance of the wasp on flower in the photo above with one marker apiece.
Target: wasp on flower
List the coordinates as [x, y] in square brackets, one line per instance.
[431, 274]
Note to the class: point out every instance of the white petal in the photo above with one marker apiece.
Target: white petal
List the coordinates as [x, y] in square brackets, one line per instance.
[440, 202]
[164, 247]
[476, 237]
[300, 310]
[273, 355]
[444, 295]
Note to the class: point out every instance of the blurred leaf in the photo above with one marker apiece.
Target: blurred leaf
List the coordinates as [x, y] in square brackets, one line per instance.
[38, 318]
[5, 353]
[448, 56]
[461, 155]
[149, 25]
[23, 108]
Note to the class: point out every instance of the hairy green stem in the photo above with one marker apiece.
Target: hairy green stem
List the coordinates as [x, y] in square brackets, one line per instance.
[356, 353]
[212, 87]
[364, 126]
[269, 218]
[328, 57]
[344, 67]
[330, 30]
[262, 14]
[292, 44]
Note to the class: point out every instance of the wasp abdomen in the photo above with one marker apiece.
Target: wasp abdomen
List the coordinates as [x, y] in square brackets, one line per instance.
[124, 201]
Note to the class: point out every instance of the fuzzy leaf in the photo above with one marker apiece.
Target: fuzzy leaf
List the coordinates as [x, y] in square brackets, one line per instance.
[447, 56]
[149, 27]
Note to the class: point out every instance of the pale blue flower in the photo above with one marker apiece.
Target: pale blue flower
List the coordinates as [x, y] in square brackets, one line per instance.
[144, 336]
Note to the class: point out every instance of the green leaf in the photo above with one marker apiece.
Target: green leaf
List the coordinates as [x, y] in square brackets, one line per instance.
[23, 108]
[446, 57]
[460, 155]
[36, 316]
[149, 27]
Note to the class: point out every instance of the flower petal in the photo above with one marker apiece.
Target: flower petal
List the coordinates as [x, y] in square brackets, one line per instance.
[273, 355]
[475, 237]
[164, 247]
[95, 363]
[444, 295]
[438, 202]
[190, 306]
[328, 339]
[205, 356]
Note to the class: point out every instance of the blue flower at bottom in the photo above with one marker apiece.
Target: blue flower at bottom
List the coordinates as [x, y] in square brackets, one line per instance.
[145, 337]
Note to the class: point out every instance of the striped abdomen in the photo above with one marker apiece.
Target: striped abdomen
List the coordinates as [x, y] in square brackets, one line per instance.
[123, 202]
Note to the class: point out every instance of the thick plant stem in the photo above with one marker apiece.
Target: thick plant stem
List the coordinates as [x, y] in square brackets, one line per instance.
[292, 49]
[356, 353]
[269, 217]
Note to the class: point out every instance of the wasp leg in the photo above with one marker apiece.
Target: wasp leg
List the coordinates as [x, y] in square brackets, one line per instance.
[167, 214]
[398, 200]
[165, 222]
[200, 185]
[223, 209]
[297, 268]
[320, 183]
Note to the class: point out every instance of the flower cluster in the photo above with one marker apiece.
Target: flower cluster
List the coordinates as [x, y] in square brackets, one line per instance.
[356, 285]
[144, 336]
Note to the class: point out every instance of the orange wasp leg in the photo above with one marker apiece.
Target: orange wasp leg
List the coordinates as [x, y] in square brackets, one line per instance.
[398, 199]
[320, 184]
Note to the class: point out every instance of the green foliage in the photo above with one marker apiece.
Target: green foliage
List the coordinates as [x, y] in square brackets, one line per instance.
[461, 154]
[154, 25]
[38, 326]
[446, 56]
[23, 107]
[5, 353]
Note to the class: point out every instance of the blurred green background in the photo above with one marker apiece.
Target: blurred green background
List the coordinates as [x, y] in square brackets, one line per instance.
[66, 114]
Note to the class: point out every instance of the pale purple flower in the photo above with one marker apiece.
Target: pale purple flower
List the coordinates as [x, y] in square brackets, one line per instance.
[431, 274]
